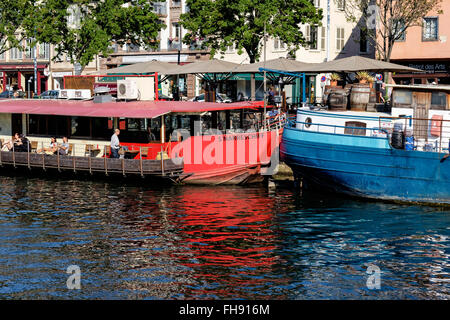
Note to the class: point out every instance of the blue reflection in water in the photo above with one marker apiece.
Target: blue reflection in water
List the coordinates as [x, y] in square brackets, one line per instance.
[182, 242]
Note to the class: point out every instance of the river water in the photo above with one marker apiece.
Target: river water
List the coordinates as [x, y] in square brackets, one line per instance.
[187, 242]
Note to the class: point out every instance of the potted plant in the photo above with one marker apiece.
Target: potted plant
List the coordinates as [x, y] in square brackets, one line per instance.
[362, 76]
[334, 78]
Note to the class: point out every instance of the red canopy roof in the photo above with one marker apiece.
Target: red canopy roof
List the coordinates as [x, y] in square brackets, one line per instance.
[132, 109]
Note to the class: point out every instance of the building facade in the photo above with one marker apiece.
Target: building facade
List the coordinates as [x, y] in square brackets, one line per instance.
[170, 48]
[426, 47]
[337, 39]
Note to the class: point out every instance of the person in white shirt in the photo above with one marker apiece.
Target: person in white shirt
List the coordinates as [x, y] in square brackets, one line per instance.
[115, 144]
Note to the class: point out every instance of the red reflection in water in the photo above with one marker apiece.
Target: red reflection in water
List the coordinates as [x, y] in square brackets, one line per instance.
[230, 238]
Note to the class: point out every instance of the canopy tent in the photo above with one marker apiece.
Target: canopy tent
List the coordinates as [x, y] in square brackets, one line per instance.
[279, 64]
[356, 64]
[133, 109]
[209, 70]
[275, 64]
[141, 68]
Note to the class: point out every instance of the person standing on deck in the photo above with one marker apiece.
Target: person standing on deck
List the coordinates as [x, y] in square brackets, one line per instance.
[115, 144]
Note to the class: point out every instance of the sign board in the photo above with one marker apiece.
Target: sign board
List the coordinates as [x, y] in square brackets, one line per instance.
[323, 79]
[379, 77]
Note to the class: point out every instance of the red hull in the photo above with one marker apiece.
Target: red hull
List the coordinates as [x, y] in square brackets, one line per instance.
[234, 158]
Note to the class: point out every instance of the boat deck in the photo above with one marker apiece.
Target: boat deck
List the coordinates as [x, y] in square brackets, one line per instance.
[142, 167]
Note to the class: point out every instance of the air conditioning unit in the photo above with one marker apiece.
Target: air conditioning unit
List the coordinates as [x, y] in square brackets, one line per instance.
[127, 90]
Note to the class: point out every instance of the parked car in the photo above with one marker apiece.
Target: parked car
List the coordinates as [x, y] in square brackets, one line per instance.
[220, 98]
[49, 94]
[9, 94]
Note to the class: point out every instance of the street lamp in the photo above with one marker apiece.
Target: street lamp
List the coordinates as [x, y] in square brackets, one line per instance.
[29, 85]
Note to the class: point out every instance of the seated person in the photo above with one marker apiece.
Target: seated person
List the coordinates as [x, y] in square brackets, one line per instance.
[64, 147]
[22, 145]
[10, 144]
[52, 148]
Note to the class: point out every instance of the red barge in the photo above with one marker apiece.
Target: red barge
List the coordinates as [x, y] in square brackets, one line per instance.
[214, 143]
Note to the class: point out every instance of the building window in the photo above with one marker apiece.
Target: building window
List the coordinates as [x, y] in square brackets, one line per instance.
[44, 51]
[341, 5]
[363, 40]
[176, 3]
[2, 56]
[15, 54]
[317, 3]
[323, 39]
[176, 30]
[430, 29]
[311, 37]
[340, 39]
[278, 45]
[399, 30]
[30, 50]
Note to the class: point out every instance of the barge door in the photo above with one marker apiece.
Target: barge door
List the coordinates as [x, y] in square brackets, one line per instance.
[16, 123]
[421, 105]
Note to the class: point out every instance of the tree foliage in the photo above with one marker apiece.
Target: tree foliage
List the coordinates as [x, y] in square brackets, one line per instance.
[84, 28]
[385, 21]
[13, 16]
[241, 23]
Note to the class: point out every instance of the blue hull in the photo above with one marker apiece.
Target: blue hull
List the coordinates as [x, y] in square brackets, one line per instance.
[366, 167]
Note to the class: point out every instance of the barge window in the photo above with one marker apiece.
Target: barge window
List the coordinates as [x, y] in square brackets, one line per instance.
[235, 120]
[351, 128]
[100, 128]
[402, 97]
[438, 100]
[80, 127]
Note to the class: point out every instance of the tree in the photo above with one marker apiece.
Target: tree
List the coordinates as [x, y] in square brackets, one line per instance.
[385, 21]
[241, 23]
[83, 29]
[13, 15]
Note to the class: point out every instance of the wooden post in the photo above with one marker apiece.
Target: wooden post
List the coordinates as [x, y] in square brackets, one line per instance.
[28, 156]
[1, 152]
[89, 159]
[106, 162]
[162, 161]
[73, 157]
[43, 156]
[57, 157]
[123, 166]
[140, 161]
[14, 156]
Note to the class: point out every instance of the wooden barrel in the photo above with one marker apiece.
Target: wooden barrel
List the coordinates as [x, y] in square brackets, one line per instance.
[335, 98]
[359, 97]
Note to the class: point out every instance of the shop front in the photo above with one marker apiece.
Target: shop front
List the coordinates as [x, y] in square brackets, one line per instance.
[435, 71]
[21, 77]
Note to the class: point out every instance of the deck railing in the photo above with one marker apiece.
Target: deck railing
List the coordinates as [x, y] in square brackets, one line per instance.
[143, 160]
[422, 134]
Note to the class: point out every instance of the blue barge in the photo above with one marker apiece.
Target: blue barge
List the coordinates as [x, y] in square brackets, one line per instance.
[353, 153]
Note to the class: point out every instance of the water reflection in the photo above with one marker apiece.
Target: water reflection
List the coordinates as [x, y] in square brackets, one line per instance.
[183, 242]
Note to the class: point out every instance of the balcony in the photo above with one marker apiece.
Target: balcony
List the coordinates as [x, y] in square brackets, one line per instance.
[174, 45]
[196, 45]
[160, 8]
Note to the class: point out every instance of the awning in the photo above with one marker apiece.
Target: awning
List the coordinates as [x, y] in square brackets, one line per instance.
[133, 109]
[141, 68]
[356, 64]
[276, 64]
